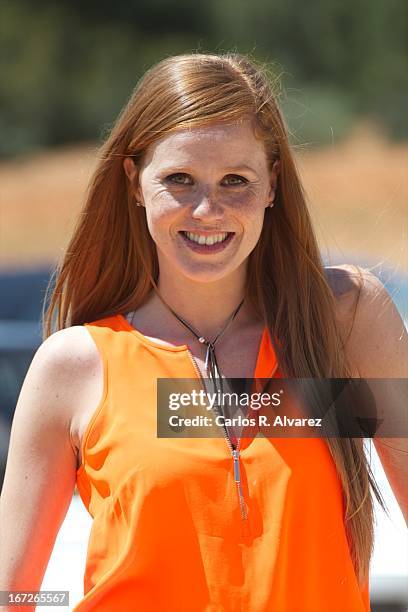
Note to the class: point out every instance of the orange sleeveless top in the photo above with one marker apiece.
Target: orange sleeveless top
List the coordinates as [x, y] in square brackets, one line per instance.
[167, 531]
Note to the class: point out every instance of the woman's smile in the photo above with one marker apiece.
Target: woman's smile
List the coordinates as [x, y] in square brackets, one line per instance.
[206, 243]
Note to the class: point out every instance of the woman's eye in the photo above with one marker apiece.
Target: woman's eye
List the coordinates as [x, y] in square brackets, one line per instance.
[235, 179]
[180, 178]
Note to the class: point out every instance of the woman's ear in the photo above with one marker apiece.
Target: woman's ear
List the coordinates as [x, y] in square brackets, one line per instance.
[275, 173]
[130, 168]
[274, 178]
[132, 173]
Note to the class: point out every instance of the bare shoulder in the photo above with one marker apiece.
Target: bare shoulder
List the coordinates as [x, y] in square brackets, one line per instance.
[67, 359]
[372, 328]
[68, 351]
[345, 280]
[67, 371]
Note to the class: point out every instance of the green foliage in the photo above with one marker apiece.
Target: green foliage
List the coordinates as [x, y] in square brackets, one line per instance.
[67, 68]
[317, 115]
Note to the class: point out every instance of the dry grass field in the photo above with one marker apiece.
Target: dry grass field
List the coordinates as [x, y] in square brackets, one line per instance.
[357, 194]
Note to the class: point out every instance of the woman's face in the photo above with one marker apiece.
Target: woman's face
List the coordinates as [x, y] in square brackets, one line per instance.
[209, 181]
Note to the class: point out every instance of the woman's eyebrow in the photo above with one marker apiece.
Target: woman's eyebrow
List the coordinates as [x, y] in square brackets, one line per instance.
[186, 168]
[174, 168]
[239, 168]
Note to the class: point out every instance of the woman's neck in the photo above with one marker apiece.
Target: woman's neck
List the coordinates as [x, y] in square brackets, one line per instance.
[206, 307]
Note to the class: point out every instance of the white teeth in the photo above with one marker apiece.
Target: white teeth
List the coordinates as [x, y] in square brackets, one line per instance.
[208, 240]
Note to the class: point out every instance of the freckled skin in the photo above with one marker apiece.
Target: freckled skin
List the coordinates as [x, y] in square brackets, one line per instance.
[194, 179]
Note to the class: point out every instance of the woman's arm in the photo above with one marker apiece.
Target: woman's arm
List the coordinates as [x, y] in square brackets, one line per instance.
[377, 346]
[41, 468]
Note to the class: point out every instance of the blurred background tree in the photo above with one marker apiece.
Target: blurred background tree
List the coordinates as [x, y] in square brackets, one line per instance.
[67, 68]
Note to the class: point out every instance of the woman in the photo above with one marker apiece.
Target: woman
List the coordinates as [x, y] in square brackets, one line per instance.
[195, 256]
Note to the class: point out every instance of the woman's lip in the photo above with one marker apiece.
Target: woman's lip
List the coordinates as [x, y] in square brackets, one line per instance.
[207, 233]
[207, 249]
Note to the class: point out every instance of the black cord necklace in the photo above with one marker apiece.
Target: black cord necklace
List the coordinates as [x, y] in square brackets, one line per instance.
[211, 364]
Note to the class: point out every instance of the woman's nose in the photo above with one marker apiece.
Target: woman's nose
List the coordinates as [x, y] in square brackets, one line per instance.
[207, 206]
